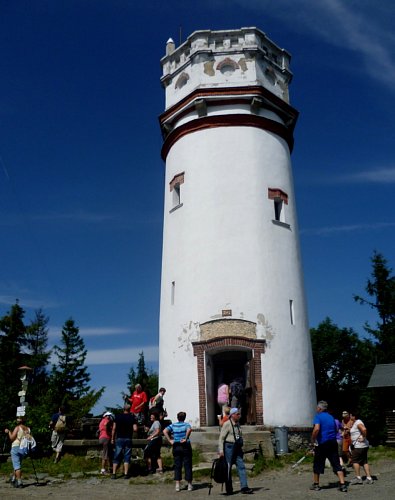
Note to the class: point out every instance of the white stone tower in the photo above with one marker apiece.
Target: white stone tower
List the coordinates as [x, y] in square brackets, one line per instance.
[232, 295]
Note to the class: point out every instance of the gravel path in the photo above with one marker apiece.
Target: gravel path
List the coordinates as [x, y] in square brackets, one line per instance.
[283, 484]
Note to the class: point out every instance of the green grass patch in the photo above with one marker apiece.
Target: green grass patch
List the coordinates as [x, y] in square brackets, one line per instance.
[68, 465]
[381, 453]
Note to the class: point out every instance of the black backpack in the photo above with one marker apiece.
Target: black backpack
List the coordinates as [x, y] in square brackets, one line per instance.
[219, 472]
[237, 389]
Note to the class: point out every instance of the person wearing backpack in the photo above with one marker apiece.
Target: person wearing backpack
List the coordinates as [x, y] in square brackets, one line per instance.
[58, 426]
[156, 403]
[236, 393]
[230, 446]
[17, 455]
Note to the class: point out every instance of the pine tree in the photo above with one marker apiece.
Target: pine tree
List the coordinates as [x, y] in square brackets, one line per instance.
[70, 378]
[381, 287]
[12, 340]
[38, 353]
[147, 379]
[40, 406]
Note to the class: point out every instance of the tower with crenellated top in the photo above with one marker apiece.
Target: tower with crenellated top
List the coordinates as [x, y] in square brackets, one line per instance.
[232, 295]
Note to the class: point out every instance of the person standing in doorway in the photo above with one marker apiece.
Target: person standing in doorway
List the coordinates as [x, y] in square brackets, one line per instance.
[230, 445]
[222, 397]
[236, 393]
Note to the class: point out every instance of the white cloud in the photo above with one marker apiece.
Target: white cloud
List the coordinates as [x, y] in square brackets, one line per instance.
[360, 26]
[101, 331]
[105, 330]
[122, 355]
[350, 228]
[372, 175]
[25, 302]
[378, 176]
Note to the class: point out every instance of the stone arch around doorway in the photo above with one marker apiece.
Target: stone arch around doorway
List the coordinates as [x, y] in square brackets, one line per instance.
[205, 349]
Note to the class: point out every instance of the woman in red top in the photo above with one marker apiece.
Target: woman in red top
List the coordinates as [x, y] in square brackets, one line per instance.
[139, 402]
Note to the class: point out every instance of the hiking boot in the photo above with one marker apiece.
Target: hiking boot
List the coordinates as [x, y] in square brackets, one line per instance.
[369, 480]
[343, 488]
[113, 476]
[247, 491]
[356, 480]
[315, 487]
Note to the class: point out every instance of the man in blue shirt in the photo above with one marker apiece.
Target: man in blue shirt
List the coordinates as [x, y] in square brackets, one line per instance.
[323, 438]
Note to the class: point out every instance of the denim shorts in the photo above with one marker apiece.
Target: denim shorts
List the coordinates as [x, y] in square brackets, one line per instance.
[16, 458]
[123, 447]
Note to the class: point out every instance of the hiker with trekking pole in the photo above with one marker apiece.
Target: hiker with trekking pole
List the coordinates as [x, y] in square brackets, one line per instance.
[230, 446]
[21, 444]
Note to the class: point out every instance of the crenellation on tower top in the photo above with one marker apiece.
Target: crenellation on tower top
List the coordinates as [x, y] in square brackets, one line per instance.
[242, 57]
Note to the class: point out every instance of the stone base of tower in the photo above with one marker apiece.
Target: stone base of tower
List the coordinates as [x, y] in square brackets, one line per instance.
[206, 440]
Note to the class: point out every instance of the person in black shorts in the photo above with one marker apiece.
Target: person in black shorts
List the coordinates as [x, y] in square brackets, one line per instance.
[323, 438]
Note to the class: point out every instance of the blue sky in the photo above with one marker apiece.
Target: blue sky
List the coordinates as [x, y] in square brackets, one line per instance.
[81, 178]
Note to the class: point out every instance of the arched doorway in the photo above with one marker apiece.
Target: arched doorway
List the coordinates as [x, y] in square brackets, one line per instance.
[224, 359]
[229, 366]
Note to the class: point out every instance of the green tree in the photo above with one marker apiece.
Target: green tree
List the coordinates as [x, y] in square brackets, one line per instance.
[147, 379]
[12, 340]
[37, 350]
[343, 364]
[381, 288]
[70, 378]
[38, 353]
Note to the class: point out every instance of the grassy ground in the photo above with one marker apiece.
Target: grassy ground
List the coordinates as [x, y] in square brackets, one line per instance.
[71, 464]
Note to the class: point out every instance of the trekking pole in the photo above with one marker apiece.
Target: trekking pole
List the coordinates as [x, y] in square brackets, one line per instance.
[299, 461]
[309, 452]
[4, 444]
[34, 468]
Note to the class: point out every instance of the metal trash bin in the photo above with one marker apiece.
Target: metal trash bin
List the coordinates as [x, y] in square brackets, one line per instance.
[281, 439]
